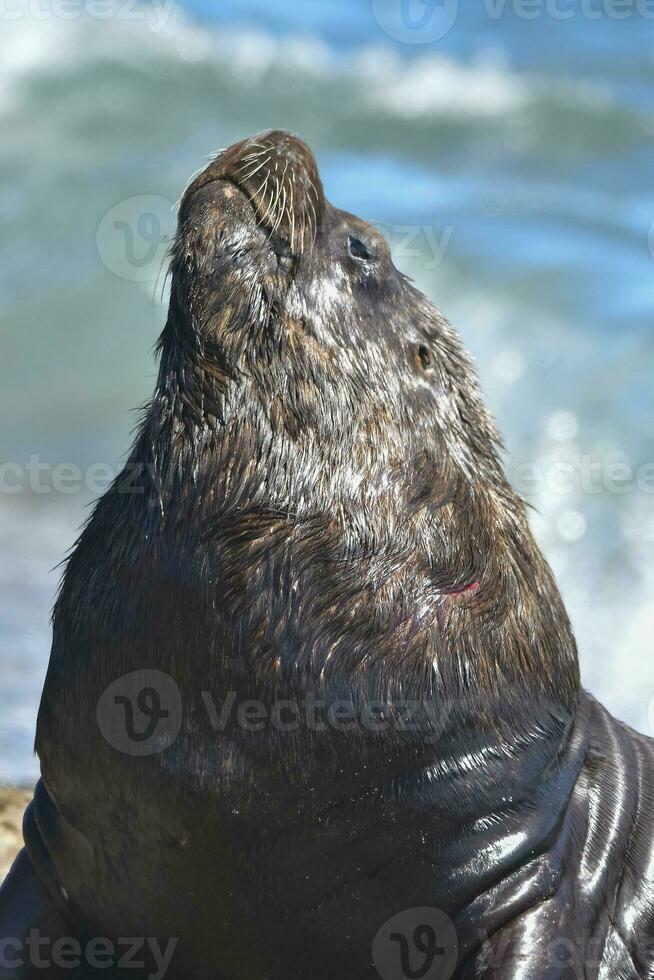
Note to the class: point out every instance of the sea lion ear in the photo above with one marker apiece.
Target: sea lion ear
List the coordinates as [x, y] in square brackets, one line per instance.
[359, 248]
[424, 358]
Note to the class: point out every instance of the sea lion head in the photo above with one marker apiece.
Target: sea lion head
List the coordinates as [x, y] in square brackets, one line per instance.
[344, 470]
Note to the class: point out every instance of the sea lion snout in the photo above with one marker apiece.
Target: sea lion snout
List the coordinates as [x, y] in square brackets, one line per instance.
[278, 174]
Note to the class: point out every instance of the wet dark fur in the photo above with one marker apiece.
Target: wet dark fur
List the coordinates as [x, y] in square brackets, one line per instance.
[309, 482]
[313, 489]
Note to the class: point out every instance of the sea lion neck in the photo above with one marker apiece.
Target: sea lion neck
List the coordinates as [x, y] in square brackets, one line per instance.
[345, 582]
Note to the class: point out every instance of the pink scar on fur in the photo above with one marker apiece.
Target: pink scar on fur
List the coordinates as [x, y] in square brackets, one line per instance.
[472, 587]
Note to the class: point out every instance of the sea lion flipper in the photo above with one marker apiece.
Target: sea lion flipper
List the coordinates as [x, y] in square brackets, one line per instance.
[27, 914]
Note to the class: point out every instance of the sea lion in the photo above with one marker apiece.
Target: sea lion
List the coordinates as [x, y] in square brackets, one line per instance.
[313, 707]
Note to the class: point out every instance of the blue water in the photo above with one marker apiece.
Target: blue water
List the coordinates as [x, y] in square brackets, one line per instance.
[509, 161]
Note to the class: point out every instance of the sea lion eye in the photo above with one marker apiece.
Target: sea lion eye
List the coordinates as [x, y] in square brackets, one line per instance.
[424, 358]
[358, 249]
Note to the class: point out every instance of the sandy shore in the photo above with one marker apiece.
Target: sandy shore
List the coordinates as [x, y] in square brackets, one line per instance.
[12, 805]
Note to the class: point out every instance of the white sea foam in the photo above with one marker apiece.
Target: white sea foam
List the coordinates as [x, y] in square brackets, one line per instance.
[377, 77]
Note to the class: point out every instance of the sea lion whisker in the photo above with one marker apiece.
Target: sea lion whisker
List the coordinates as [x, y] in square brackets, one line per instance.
[312, 187]
[282, 210]
[164, 257]
[196, 173]
[313, 225]
[211, 156]
[260, 192]
[292, 213]
[252, 172]
[313, 212]
[275, 200]
[269, 204]
[303, 216]
[255, 155]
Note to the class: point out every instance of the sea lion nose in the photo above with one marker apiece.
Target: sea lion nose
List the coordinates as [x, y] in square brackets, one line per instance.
[285, 149]
[278, 172]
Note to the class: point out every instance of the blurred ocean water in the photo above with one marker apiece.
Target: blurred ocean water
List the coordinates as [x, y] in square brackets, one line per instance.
[507, 159]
